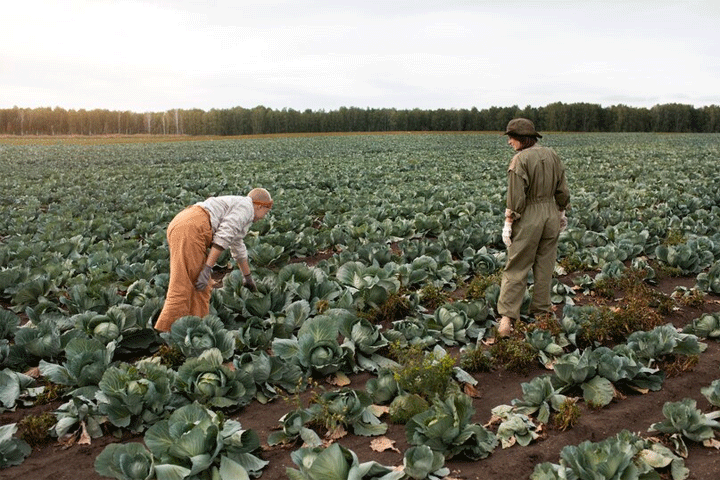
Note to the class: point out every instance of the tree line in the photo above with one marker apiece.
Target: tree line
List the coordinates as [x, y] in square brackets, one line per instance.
[561, 117]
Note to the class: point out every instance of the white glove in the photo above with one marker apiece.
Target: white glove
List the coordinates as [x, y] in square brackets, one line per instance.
[507, 233]
[563, 220]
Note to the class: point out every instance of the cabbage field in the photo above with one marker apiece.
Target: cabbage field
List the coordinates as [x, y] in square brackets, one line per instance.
[369, 349]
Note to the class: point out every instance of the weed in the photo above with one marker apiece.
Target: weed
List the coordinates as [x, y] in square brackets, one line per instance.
[675, 237]
[595, 406]
[572, 263]
[403, 408]
[431, 297]
[35, 429]
[170, 356]
[396, 307]
[689, 297]
[479, 284]
[294, 399]
[322, 306]
[423, 373]
[605, 288]
[674, 367]
[567, 415]
[50, 393]
[514, 354]
[326, 419]
[668, 271]
[635, 314]
[474, 359]
[640, 308]
[547, 322]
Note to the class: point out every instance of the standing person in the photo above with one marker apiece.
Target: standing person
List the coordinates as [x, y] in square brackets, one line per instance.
[196, 237]
[537, 197]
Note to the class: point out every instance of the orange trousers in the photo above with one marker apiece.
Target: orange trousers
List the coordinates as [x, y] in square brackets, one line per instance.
[189, 236]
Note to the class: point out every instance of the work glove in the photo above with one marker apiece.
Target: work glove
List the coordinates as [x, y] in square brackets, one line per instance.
[249, 282]
[563, 220]
[204, 278]
[507, 233]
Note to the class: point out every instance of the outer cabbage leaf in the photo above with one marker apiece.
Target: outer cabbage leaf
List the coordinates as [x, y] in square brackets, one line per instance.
[13, 451]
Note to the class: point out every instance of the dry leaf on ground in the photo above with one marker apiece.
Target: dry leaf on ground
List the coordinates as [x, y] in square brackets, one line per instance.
[382, 444]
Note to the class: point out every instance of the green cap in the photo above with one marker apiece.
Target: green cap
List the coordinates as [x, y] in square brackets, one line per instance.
[521, 127]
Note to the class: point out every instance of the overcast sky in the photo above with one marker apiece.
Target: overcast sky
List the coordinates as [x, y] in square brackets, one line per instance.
[157, 55]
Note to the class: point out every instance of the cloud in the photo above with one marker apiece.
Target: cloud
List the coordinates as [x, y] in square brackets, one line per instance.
[161, 54]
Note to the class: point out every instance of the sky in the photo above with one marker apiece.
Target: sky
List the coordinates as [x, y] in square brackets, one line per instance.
[158, 55]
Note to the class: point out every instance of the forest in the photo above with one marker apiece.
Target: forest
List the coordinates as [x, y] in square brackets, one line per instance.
[560, 117]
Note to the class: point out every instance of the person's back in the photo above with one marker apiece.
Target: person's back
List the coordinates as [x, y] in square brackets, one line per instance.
[542, 172]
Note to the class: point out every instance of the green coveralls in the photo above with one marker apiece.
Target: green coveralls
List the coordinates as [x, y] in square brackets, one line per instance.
[537, 192]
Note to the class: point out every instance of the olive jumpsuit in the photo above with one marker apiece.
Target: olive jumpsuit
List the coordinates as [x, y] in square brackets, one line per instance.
[537, 192]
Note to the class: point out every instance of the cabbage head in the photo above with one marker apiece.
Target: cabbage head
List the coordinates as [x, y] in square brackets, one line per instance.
[446, 428]
[706, 326]
[86, 361]
[193, 442]
[40, 339]
[606, 459]
[316, 348]
[185, 444]
[293, 427]
[422, 463]
[685, 419]
[663, 340]
[135, 396]
[206, 380]
[337, 463]
[349, 408]
[539, 396]
[712, 393]
[370, 285]
[194, 335]
[710, 281]
[255, 334]
[455, 326]
[105, 327]
[125, 461]
[269, 372]
[383, 388]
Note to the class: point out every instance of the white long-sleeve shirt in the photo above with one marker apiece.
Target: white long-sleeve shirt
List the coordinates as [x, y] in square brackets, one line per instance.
[230, 219]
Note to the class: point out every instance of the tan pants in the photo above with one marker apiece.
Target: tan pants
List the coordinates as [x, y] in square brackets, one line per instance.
[534, 245]
[189, 236]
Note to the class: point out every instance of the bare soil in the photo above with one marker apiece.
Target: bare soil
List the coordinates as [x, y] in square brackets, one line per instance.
[636, 412]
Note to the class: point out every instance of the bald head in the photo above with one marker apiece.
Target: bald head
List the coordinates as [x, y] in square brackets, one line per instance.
[261, 197]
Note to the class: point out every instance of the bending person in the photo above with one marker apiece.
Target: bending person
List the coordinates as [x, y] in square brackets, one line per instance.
[196, 237]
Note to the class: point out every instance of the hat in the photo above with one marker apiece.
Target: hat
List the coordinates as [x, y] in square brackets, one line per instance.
[521, 127]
